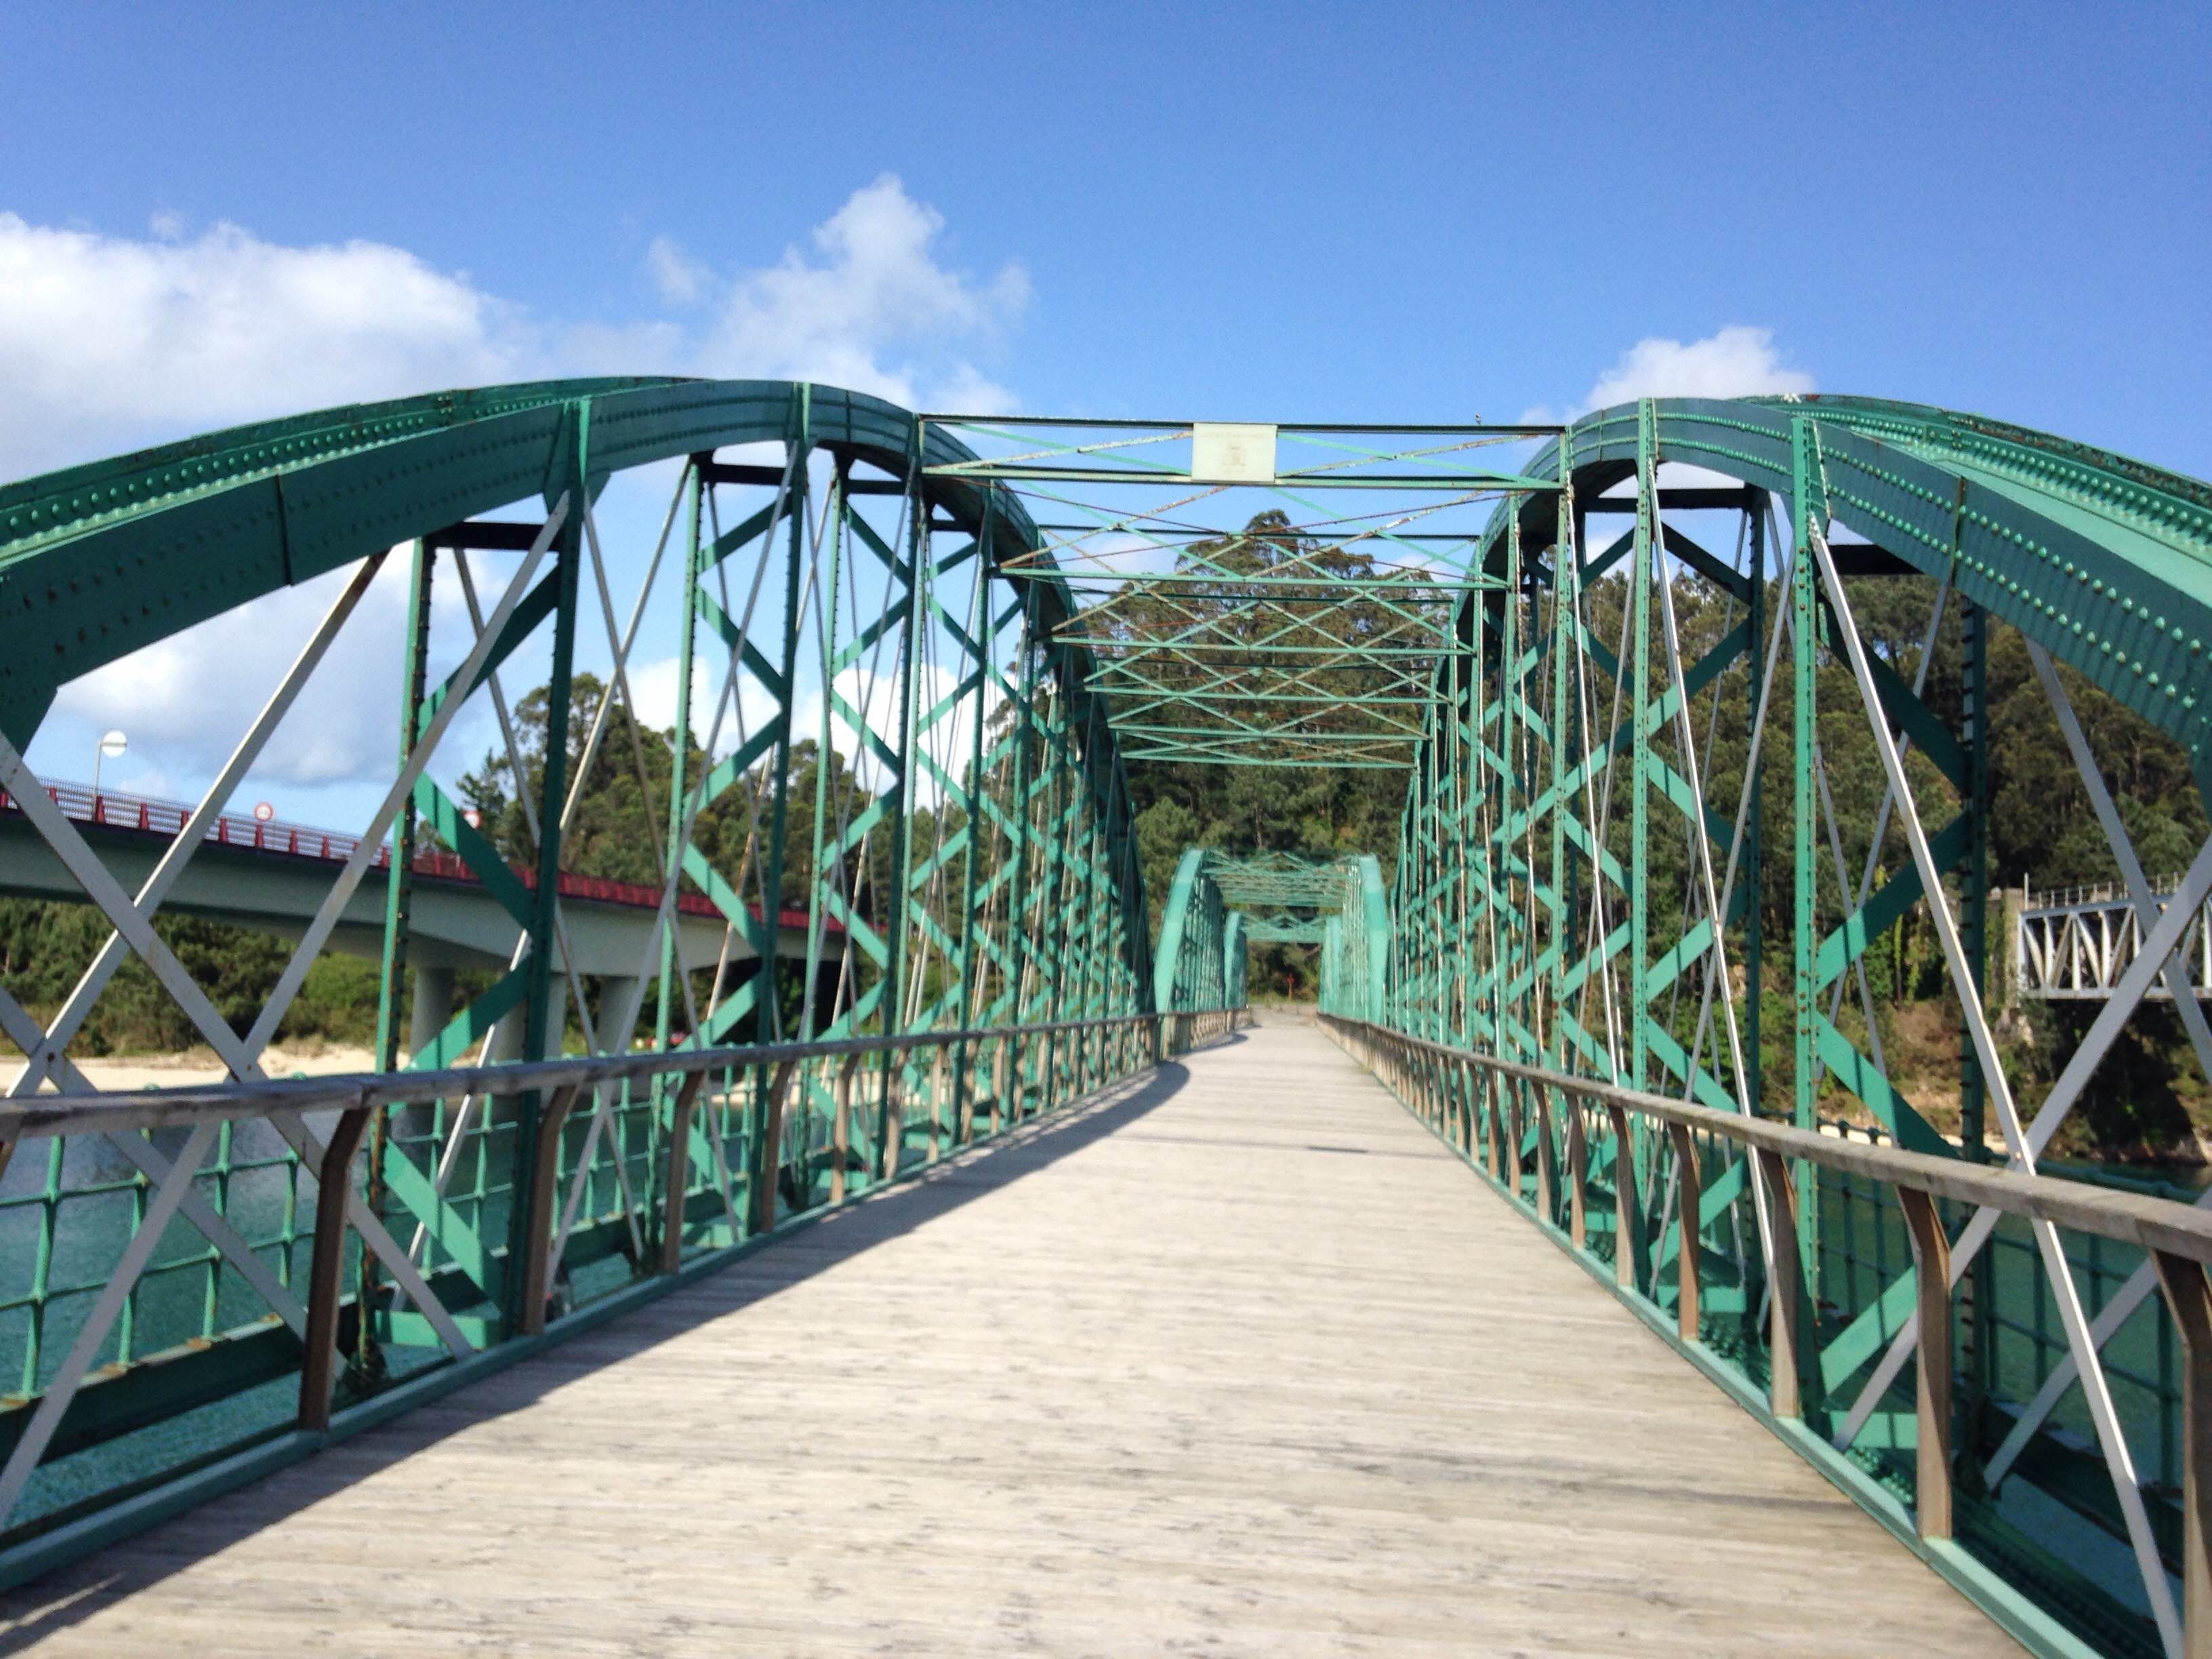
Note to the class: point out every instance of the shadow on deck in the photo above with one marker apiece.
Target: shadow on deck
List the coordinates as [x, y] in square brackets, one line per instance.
[71, 1594]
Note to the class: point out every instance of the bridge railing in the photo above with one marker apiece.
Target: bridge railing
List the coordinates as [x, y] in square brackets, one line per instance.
[608, 1179]
[2075, 944]
[1584, 1160]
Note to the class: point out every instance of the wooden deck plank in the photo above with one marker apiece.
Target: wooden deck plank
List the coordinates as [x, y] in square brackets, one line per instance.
[1236, 1361]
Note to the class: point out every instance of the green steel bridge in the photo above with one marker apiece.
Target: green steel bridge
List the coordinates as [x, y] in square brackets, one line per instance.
[935, 963]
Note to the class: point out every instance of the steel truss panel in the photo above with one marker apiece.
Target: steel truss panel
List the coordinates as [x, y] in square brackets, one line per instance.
[1573, 893]
[889, 780]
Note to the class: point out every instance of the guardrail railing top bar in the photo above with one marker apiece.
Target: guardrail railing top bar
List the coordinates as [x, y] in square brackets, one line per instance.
[1437, 1083]
[115, 1111]
[2157, 1224]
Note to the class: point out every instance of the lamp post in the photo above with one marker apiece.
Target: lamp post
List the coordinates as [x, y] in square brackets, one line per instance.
[112, 743]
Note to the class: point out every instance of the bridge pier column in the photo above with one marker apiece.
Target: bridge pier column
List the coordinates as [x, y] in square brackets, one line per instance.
[433, 1006]
[556, 1017]
[508, 1041]
[616, 992]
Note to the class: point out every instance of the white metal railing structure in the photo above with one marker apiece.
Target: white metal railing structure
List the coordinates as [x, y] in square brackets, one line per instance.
[736, 1140]
[2075, 944]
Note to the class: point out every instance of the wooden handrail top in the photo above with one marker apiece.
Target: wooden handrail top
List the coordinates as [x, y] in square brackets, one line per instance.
[2152, 1223]
[33, 1115]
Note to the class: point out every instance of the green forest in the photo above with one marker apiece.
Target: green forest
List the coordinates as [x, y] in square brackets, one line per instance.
[2043, 833]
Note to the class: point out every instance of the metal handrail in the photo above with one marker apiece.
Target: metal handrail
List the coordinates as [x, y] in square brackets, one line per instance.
[2151, 1224]
[1102, 1050]
[31, 1115]
[1428, 1076]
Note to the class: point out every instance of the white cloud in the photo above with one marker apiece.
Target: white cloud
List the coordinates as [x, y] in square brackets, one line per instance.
[189, 698]
[1735, 361]
[679, 278]
[1738, 361]
[106, 341]
[870, 308]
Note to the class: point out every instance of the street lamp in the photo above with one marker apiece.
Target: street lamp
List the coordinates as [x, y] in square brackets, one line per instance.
[114, 743]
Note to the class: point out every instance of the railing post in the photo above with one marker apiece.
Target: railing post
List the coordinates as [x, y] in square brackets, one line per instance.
[1543, 1115]
[544, 1178]
[769, 1161]
[1002, 1067]
[1786, 1285]
[1624, 1206]
[1577, 1171]
[1516, 1132]
[937, 1074]
[1492, 1160]
[963, 1122]
[2189, 1298]
[1688, 1227]
[675, 1175]
[326, 1275]
[894, 1114]
[1931, 1269]
[841, 1126]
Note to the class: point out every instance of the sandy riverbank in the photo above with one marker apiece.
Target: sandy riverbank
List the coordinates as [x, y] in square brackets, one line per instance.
[199, 1065]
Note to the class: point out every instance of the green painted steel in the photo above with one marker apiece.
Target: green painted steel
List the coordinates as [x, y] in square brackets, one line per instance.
[1253, 596]
[969, 863]
[992, 619]
[1221, 903]
[1572, 891]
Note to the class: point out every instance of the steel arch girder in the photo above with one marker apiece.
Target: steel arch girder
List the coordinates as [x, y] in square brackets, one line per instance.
[2106, 560]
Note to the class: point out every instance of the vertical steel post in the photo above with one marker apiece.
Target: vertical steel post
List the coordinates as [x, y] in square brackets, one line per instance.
[914, 568]
[1639, 750]
[1564, 609]
[1808, 505]
[1749, 874]
[770, 1089]
[969, 968]
[1979, 1372]
[392, 1038]
[527, 1221]
[399, 885]
[679, 770]
[826, 864]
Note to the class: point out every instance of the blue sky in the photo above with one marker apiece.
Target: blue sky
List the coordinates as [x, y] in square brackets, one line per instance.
[1282, 212]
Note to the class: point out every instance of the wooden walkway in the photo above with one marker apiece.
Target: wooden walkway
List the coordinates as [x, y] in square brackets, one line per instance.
[1237, 1361]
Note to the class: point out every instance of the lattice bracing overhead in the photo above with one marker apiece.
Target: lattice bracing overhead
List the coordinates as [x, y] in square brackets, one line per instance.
[913, 658]
[1267, 595]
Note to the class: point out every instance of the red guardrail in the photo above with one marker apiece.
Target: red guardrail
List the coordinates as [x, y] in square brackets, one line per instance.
[110, 810]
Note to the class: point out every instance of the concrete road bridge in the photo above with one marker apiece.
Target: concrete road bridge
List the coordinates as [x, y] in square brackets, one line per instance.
[272, 877]
[929, 1250]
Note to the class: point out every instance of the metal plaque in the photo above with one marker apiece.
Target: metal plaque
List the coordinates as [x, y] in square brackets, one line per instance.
[1232, 452]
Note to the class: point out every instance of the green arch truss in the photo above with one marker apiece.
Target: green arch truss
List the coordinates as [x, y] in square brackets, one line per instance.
[968, 863]
[1221, 904]
[1582, 841]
